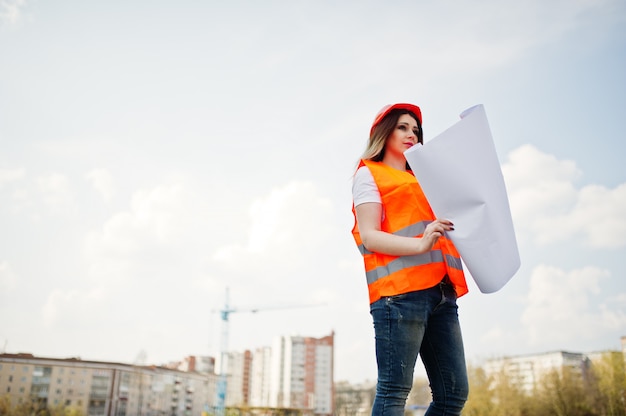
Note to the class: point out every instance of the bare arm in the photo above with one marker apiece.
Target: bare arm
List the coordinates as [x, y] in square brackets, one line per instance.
[368, 217]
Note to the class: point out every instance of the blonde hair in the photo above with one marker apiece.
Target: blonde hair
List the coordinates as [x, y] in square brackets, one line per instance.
[375, 150]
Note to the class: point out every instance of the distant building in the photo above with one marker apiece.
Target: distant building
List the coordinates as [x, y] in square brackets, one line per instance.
[295, 374]
[301, 374]
[197, 364]
[238, 371]
[104, 388]
[260, 377]
[526, 371]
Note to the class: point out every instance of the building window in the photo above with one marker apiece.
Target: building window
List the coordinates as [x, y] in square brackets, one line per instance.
[10, 379]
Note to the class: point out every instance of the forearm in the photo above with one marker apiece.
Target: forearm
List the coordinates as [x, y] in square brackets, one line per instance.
[374, 239]
[393, 245]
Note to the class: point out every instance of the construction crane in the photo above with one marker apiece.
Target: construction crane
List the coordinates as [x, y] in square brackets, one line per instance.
[222, 381]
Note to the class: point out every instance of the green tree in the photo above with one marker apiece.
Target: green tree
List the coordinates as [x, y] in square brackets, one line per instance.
[508, 396]
[563, 393]
[481, 398]
[608, 384]
[5, 405]
[29, 408]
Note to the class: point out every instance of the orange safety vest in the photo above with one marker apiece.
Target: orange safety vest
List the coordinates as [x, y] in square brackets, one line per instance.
[407, 213]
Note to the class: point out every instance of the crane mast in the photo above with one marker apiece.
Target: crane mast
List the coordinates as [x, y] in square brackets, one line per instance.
[222, 381]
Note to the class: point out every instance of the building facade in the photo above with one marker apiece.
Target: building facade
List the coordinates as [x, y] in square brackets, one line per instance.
[296, 374]
[104, 388]
[260, 377]
[301, 374]
[526, 371]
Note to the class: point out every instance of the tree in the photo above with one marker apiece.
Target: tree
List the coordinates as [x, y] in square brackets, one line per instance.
[5, 405]
[29, 408]
[608, 384]
[480, 401]
[563, 393]
[509, 398]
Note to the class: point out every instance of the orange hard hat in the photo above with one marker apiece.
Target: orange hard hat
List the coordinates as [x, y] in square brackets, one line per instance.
[386, 109]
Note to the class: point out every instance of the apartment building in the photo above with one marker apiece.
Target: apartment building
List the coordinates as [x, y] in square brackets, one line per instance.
[526, 371]
[296, 373]
[238, 378]
[301, 374]
[260, 377]
[104, 388]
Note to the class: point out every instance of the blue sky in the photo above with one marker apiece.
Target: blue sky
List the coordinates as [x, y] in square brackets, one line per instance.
[155, 153]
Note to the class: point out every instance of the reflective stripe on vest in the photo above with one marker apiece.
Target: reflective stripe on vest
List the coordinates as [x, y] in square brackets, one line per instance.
[404, 262]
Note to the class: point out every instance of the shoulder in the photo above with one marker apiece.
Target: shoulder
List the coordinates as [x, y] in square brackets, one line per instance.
[364, 188]
[363, 174]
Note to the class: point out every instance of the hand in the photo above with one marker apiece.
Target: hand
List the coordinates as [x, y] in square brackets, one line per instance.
[433, 231]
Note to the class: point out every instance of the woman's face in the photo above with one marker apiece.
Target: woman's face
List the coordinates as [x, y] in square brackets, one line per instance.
[403, 136]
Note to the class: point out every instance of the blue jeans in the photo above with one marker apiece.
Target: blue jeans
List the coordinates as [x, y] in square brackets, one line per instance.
[423, 322]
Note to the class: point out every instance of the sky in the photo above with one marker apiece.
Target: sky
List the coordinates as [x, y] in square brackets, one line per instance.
[155, 155]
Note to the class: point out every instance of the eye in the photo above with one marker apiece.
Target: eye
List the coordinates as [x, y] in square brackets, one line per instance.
[416, 132]
[402, 127]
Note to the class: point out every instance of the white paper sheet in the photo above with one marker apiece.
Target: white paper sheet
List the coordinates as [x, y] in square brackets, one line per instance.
[461, 176]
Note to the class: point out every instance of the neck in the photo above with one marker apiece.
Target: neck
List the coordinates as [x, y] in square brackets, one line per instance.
[398, 163]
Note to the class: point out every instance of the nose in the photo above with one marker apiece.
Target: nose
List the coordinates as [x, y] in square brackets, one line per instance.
[413, 136]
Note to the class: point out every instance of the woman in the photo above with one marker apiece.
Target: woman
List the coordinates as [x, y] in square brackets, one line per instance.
[414, 273]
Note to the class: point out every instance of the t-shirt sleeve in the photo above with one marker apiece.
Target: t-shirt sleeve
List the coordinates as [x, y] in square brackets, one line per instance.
[364, 188]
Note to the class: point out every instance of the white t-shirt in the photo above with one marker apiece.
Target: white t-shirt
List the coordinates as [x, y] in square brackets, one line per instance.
[364, 187]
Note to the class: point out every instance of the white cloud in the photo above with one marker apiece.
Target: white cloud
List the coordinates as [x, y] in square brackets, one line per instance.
[19, 198]
[292, 215]
[102, 182]
[10, 175]
[149, 235]
[55, 190]
[63, 307]
[538, 183]
[545, 201]
[560, 303]
[599, 215]
[8, 278]
[11, 10]
[289, 247]
[285, 225]
[490, 34]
